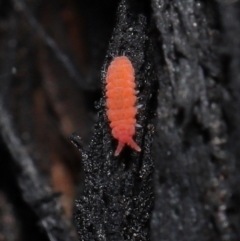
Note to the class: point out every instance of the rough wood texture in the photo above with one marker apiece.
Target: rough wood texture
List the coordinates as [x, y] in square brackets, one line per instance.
[197, 181]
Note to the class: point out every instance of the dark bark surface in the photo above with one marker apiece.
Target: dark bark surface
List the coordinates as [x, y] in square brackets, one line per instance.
[118, 192]
[183, 185]
[197, 181]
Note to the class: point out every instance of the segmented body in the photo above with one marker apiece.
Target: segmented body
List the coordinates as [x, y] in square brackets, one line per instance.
[121, 100]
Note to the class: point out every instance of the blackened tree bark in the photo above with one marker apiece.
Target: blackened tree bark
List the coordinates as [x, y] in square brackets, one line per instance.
[195, 147]
[197, 135]
[118, 192]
